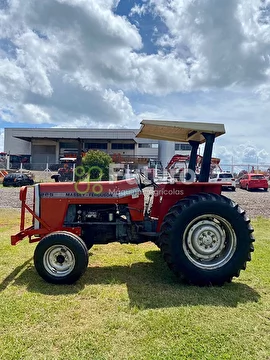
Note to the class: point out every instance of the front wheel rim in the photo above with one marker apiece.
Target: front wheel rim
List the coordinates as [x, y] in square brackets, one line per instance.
[59, 260]
[209, 241]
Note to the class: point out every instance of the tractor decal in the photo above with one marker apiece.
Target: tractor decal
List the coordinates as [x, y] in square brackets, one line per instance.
[110, 194]
[123, 193]
[59, 195]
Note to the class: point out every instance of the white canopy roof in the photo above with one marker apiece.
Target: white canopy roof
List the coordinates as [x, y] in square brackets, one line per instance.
[179, 131]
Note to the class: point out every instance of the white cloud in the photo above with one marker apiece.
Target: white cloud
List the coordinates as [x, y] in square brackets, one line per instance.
[65, 63]
[76, 59]
[211, 44]
[35, 114]
[119, 105]
[74, 62]
[139, 9]
[241, 154]
[244, 115]
[223, 42]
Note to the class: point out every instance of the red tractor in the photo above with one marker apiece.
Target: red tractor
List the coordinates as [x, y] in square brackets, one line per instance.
[178, 165]
[204, 237]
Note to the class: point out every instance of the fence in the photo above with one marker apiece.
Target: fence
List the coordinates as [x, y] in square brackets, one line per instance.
[42, 172]
[237, 168]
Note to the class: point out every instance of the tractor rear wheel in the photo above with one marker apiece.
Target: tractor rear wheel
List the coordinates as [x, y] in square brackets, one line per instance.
[206, 239]
[61, 257]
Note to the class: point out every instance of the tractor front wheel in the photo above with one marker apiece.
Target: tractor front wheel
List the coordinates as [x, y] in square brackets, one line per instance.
[206, 239]
[61, 257]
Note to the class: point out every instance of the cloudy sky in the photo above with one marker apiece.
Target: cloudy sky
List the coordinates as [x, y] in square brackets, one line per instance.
[111, 63]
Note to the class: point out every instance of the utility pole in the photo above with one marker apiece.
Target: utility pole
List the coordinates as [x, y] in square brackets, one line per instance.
[79, 157]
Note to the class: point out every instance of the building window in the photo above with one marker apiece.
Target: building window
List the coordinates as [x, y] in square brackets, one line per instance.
[184, 147]
[148, 146]
[68, 145]
[122, 146]
[92, 146]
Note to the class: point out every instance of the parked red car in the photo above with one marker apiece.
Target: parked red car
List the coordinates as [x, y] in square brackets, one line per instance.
[253, 181]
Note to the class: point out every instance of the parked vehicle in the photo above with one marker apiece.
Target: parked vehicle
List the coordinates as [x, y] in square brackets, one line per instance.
[66, 170]
[253, 181]
[17, 179]
[203, 236]
[15, 161]
[224, 177]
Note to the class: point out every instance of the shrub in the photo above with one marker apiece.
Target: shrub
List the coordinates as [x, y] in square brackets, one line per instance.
[96, 165]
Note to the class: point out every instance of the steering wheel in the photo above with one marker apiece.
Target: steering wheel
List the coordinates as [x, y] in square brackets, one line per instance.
[142, 185]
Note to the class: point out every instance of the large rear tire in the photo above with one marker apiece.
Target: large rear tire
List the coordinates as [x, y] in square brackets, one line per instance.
[61, 257]
[206, 239]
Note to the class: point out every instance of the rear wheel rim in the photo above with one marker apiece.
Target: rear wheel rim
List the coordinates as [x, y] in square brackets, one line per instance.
[59, 260]
[209, 241]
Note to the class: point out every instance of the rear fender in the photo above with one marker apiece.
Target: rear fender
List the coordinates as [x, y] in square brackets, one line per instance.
[167, 195]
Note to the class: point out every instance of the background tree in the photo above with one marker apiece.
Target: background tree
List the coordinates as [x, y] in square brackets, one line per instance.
[96, 164]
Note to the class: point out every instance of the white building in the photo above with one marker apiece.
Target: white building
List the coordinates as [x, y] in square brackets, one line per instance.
[47, 145]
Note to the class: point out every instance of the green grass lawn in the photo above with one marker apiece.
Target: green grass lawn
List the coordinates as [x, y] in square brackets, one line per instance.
[128, 305]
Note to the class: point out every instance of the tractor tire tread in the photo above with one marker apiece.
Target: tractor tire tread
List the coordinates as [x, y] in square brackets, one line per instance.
[57, 238]
[179, 208]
